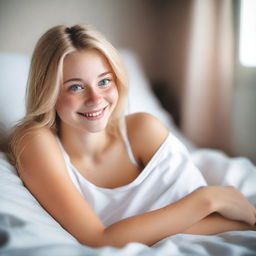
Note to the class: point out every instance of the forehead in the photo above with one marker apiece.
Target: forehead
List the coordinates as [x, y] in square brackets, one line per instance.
[82, 63]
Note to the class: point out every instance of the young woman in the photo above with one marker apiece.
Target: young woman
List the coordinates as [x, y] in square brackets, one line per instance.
[94, 170]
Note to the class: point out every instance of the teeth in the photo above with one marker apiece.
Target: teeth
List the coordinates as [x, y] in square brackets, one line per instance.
[93, 114]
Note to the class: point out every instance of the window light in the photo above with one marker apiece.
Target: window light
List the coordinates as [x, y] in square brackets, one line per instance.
[247, 50]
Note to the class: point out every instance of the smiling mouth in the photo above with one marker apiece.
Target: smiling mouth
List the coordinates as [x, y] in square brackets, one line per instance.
[93, 114]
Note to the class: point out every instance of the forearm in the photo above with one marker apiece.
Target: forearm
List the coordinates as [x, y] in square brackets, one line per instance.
[187, 215]
[148, 228]
[215, 223]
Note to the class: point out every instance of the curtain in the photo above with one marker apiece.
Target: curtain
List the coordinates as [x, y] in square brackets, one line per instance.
[206, 96]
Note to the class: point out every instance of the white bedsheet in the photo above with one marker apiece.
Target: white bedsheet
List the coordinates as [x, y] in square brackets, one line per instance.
[27, 229]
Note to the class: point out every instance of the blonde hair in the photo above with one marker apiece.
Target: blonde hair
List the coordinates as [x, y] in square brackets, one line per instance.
[45, 78]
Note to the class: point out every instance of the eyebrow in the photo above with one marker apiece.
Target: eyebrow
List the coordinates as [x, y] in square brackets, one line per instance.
[81, 80]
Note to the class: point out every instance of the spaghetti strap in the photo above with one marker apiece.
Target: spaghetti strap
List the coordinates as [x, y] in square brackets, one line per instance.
[123, 130]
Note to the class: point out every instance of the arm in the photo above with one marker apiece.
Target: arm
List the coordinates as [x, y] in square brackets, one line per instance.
[215, 223]
[142, 127]
[148, 228]
[43, 172]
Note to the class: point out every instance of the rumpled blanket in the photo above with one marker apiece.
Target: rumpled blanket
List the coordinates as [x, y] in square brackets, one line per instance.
[27, 229]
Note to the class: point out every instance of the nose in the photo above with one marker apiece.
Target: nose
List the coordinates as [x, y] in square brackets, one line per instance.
[93, 97]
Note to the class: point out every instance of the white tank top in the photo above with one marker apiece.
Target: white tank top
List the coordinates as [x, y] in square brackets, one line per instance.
[169, 176]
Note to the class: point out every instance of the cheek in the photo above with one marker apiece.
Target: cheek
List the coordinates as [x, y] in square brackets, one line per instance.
[66, 103]
[113, 94]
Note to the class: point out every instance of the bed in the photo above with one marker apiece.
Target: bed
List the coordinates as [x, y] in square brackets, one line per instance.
[27, 229]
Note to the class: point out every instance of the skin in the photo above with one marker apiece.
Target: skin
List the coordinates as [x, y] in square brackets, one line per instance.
[208, 210]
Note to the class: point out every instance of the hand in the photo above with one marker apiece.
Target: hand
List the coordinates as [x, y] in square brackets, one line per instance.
[231, 204]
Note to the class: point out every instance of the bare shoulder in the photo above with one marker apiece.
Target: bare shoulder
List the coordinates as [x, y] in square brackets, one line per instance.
[40, 135]
[37, 146]
[146, 134]
[41, 159]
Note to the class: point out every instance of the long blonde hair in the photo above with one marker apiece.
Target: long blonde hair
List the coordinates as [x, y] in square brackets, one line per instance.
[45, 78]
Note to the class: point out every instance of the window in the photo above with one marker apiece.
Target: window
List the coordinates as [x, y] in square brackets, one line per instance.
[247, 44]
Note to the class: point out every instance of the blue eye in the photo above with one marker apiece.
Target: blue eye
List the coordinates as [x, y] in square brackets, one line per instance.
[104, 82]
[75, 87]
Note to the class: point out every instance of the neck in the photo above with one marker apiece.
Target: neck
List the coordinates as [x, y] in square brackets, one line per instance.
[82, 144]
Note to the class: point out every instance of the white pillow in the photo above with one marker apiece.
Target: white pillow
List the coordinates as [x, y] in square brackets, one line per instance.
[23, 221]
[13, 79]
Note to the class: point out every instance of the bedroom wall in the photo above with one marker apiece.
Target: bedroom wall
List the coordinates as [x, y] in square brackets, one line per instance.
[154, 29]
[127, 24]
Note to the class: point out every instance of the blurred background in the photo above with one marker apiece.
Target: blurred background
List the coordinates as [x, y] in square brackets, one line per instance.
[199, 56]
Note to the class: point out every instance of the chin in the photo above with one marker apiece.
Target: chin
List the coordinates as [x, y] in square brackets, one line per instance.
[97, 128]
